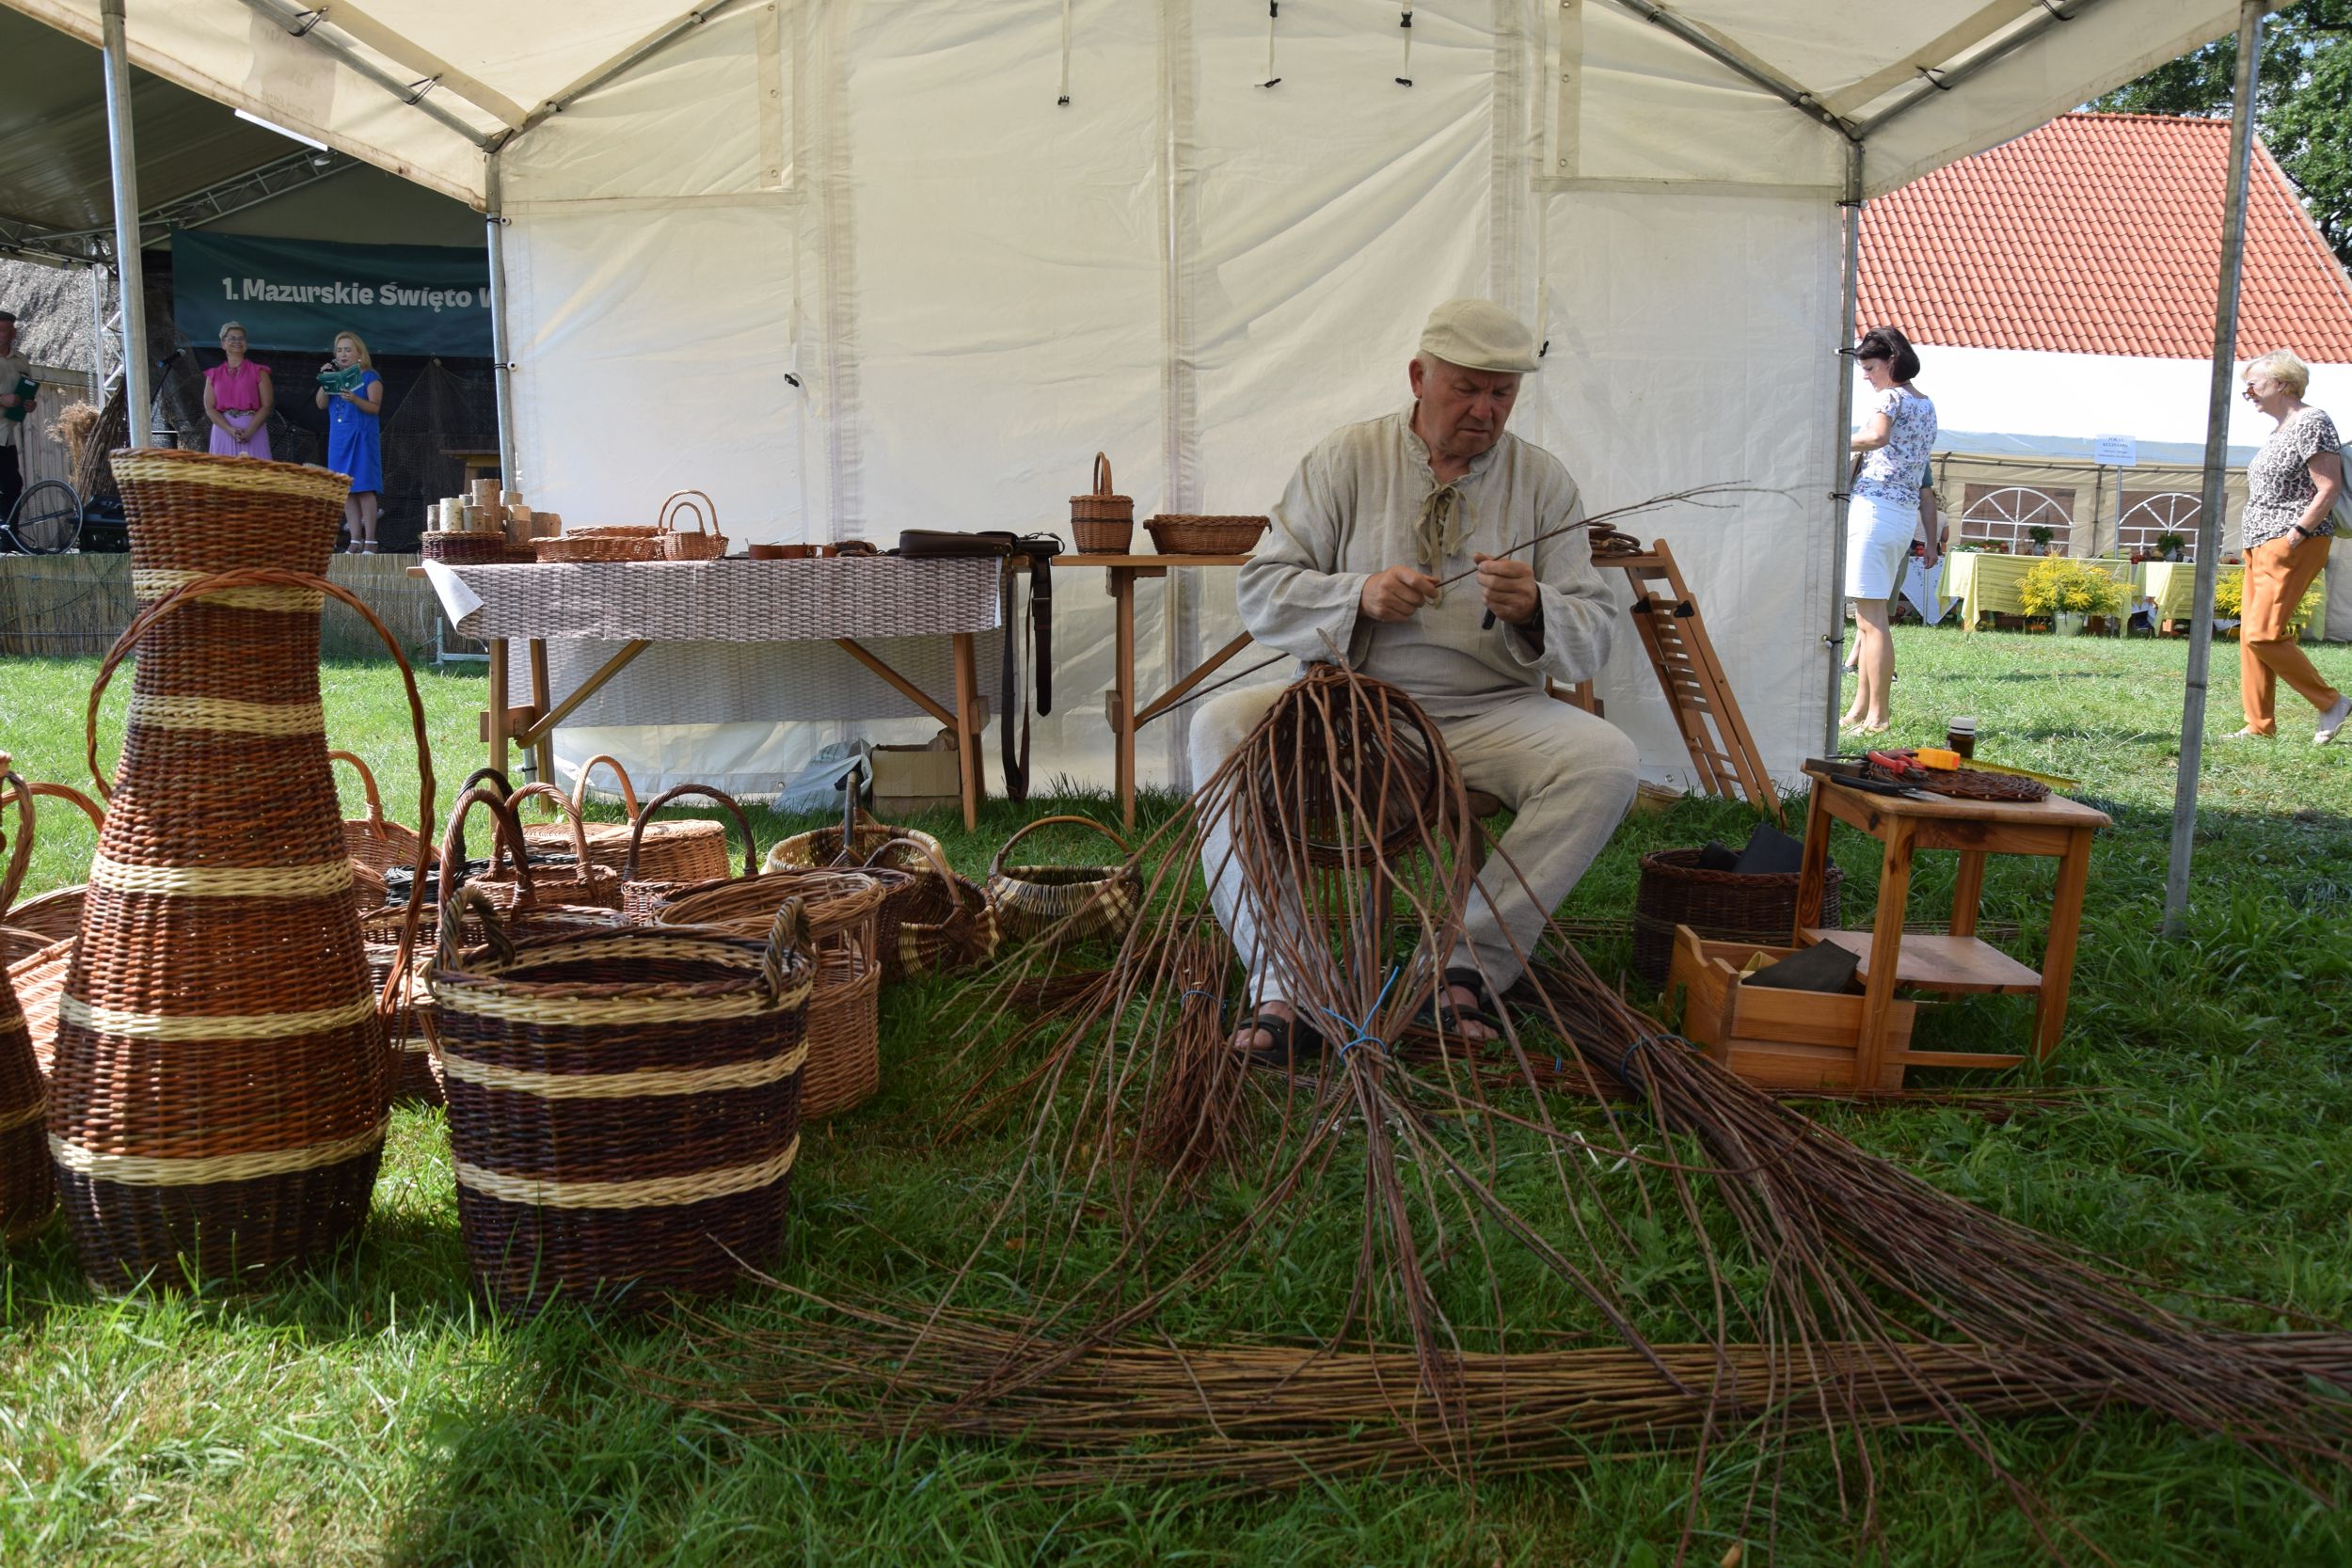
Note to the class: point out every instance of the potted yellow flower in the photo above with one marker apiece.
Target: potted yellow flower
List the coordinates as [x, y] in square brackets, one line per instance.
[2068, 592]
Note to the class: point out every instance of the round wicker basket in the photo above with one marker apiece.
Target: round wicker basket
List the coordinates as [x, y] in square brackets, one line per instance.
[1066, 903]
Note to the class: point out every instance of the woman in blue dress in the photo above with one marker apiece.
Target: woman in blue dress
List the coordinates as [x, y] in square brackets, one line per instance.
[353, 395]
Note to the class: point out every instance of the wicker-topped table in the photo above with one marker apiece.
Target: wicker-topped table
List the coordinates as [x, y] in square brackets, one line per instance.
[846, 601]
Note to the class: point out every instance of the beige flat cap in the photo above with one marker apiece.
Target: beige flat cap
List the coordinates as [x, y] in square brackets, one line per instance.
[1478, 335]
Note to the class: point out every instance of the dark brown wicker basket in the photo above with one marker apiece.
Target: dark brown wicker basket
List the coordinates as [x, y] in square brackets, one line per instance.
[1721, 905]
[1066, 903]
[583, 881]
[474, 549]
[1103, 523]
[939, 920]
[217, 1102]
[624, 1106]
[29, 1190]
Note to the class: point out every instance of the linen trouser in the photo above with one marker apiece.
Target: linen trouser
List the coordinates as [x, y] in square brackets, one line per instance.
[1567, 776]
[2275, 578]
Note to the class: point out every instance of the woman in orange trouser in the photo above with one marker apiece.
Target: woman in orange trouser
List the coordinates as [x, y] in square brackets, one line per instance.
[2291, 490]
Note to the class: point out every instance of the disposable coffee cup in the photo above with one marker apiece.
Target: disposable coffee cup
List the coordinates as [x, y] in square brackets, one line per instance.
[1961, 735]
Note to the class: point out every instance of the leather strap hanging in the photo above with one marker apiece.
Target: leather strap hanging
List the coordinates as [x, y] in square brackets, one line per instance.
[1039, 551]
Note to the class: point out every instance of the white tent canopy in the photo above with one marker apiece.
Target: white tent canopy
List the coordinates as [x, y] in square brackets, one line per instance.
[854, 267]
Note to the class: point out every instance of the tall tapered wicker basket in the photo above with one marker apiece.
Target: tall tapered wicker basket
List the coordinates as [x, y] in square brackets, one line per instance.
[218, 1099]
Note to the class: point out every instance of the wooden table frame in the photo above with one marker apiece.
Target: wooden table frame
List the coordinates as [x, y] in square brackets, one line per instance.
[532, 726]
[1121, 575]
[2055, 828]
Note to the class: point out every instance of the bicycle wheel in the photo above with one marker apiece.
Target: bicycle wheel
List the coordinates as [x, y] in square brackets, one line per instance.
[47, 519]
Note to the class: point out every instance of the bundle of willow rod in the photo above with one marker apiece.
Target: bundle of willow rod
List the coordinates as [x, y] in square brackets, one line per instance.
[1839, 1300]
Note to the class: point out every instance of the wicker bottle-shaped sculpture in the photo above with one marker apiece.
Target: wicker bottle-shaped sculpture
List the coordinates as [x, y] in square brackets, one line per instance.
[217, 1102]
[28, 1191]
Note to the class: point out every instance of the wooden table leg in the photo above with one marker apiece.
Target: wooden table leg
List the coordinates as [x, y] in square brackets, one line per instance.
[1886, 940]
[2058, 958]
[541, 767]
[1813, 871]
[498, 701]
[1968, 893]
[967, 738]
[1123, 704]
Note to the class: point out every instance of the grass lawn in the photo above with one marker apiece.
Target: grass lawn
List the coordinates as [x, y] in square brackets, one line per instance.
[380, 1415]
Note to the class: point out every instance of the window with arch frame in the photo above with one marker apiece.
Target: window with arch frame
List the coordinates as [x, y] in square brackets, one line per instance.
[2008, 515]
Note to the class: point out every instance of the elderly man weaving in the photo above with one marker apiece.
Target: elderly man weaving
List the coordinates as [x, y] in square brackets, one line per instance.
[1374, 517]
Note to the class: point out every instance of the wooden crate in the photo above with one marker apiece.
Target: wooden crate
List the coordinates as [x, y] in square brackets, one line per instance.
[1782, 1039]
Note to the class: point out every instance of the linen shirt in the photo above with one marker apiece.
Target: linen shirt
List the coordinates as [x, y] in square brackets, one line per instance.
[2278, 484]
[1349, 512]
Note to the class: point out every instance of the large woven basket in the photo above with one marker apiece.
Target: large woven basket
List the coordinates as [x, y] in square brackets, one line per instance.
[1196, 533]
[583, 881]
[822, 846]
[845, 1009]
[592, 544]
[624, 1107]
[1103, 523]
[1720, 906]
[1064, 903]
[705, 542]
[28, 1191]
[686, 849]
[940, 920]
[218, 1097]
[642, 895]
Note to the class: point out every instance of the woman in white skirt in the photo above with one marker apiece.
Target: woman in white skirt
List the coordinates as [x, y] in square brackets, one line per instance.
[1897, 437]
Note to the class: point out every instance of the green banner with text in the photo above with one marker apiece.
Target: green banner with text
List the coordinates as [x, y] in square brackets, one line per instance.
[298, 293]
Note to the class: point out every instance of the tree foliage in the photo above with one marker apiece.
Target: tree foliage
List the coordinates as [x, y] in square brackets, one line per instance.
[2302, 102]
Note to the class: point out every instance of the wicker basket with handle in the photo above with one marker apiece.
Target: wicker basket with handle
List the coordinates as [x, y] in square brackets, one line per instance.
[624, 1106]
[57, 914]
[938, 922]
[822, 846]
[1064, 903]
[706, 542]
[1194, 533]
[583, 882]
[845, 1007]
[1101, 522]
[28, 1188]
[686, 849]
[642, 895]
[374, 841]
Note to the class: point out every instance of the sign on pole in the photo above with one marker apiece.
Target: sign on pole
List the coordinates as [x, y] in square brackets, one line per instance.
[2116, 451]
[298, 293]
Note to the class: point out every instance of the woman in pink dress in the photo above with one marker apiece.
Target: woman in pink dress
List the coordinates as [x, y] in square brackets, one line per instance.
[238, 397]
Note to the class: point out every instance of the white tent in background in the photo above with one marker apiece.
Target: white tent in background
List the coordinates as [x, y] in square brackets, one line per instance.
[857, 267]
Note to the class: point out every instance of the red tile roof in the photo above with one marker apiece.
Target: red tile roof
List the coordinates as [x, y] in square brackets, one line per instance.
[2101, 234]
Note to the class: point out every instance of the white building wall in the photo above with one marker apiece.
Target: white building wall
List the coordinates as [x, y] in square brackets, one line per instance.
[2025, 392]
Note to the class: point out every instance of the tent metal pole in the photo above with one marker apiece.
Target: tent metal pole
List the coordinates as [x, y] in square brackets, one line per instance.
[1841, 462]
[124, 160]
[501, 367]
[2249, 43]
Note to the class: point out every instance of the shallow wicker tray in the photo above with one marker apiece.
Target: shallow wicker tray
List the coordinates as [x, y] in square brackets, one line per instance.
[472, 550]
[1201, 534]
[634, 544]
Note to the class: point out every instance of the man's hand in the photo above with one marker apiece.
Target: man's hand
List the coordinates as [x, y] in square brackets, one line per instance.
[1397, 592]
[1509, 589]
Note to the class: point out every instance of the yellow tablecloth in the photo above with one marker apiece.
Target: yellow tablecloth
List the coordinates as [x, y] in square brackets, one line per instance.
[2173, 585]
[1988, 584]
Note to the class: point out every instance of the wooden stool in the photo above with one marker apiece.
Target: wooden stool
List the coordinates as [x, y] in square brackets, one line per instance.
[1957, 963]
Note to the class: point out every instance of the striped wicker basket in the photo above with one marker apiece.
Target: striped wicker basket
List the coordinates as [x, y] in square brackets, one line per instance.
[821, 846]
[939, 922]
[706, 542]
[624, 1107]
[641, 894]
[218, 1104]
[689, 849]
[1103, 523]
[845, 1009]
[29, 1190]
[1064, 903]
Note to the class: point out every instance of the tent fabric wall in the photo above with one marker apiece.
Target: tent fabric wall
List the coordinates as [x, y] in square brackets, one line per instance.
[852, 268]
